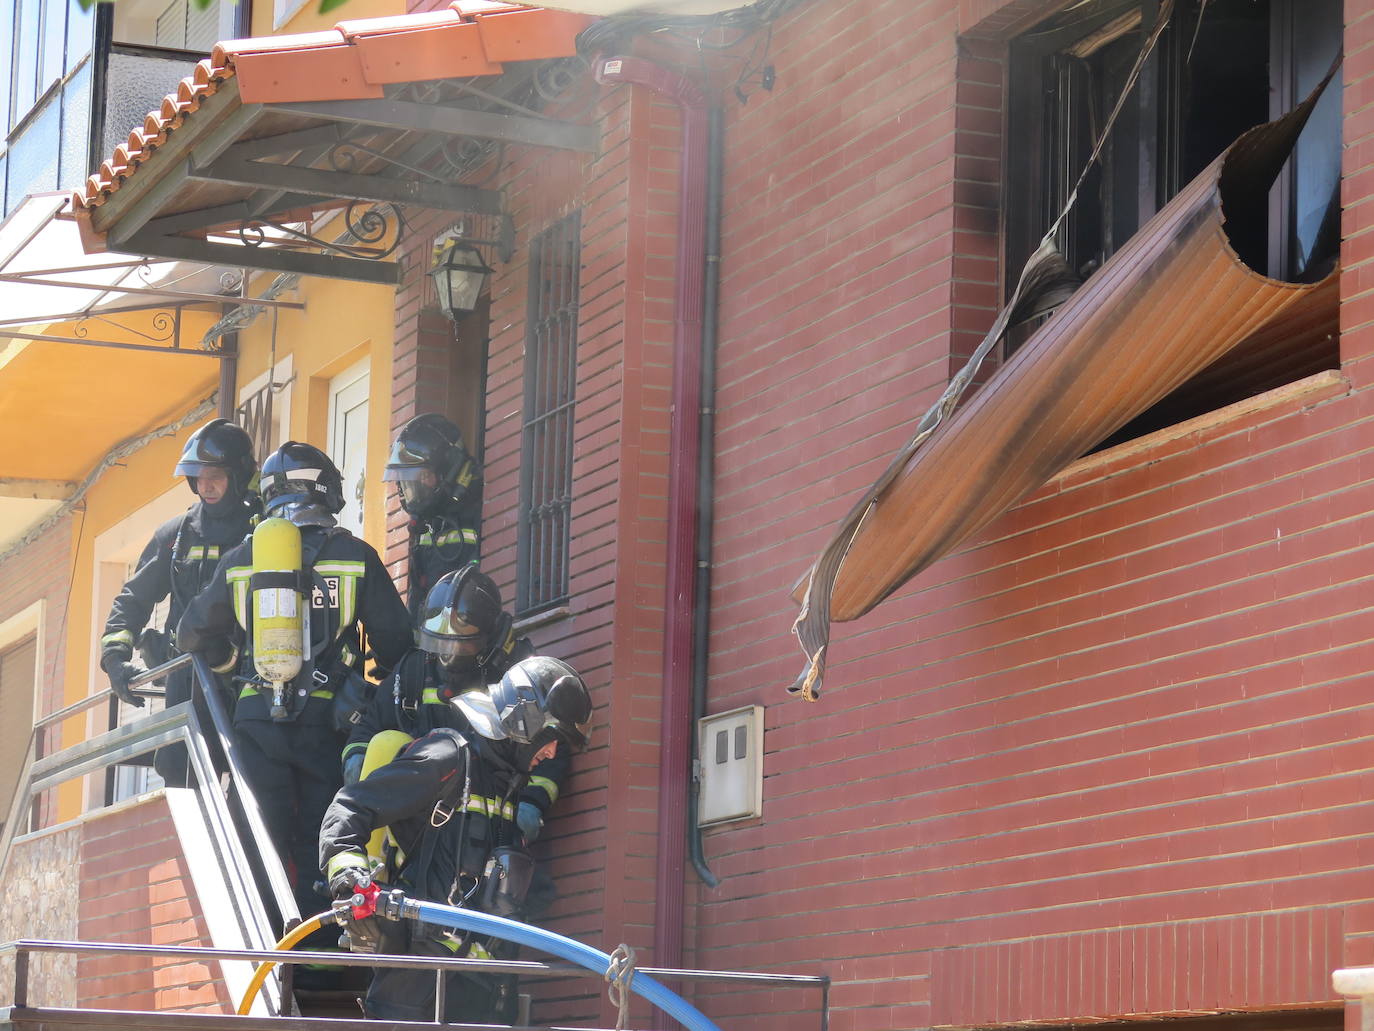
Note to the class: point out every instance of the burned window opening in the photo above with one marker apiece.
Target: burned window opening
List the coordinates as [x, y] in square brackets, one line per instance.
[1220, 68]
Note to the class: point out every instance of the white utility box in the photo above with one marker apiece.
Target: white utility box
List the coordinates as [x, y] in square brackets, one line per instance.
[731, 760]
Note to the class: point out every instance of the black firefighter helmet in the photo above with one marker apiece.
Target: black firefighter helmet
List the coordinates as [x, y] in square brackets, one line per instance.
[431, 464]
[461, 622]
[300, 475]
[538, 700]
[221, 444]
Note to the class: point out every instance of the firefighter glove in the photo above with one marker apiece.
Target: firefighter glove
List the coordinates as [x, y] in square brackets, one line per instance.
[530, 821]
[121, 672]
[346, 872]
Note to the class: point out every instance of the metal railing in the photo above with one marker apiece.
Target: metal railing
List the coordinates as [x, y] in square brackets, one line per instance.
[22, 949]
[223, 808]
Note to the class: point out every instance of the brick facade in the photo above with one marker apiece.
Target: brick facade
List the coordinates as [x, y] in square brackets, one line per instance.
[1106, 760]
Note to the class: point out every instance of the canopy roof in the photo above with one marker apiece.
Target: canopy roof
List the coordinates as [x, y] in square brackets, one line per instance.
[371, 114]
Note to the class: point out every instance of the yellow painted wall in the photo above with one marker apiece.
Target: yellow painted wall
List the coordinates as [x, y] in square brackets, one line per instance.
[309, 19]
[341, 325]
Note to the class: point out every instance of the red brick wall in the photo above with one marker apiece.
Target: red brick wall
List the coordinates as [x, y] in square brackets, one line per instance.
[1136, 703]
[135, 888]
[627, 195]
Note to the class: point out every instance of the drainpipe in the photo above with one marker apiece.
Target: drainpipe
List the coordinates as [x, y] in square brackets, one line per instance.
[684, 447]
[706, 475]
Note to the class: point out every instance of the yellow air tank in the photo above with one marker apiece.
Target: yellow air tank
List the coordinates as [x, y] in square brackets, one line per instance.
[278, 607]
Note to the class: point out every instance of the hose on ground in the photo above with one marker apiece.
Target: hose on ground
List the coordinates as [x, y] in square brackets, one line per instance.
[292, 938]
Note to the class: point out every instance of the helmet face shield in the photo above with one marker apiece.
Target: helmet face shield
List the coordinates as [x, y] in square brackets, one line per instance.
[453, 628]
[416, 494]
[452, 650]
[477, 708]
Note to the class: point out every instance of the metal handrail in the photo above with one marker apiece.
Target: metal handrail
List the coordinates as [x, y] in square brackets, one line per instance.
[105, 694]
[22, 947]
[252, 812]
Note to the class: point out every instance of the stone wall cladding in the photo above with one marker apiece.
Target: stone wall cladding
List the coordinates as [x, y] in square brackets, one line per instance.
[44, 896]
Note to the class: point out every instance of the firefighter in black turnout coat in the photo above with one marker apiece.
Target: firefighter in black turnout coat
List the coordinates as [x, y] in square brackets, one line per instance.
[449, 851]
[291, 751]
[179, 561]
[416, 699]
[441, 490]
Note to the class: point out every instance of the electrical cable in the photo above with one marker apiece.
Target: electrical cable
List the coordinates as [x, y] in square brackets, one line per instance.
[114, 455]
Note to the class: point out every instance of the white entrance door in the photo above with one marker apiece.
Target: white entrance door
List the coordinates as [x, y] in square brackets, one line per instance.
[348, 440]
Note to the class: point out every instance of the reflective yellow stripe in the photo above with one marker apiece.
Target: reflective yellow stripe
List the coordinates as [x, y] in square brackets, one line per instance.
[491, 808]
[117, 637]
[251, 689]
[350, 574]
[430, 696]
[463, 536]
[209, 551]
[545, 785]
[237, 578]
[344, 861]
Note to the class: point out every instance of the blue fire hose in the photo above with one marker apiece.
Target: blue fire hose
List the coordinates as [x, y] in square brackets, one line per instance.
[565, 948]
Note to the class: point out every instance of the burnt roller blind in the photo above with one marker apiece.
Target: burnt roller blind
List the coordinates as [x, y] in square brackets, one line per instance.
[547, 434]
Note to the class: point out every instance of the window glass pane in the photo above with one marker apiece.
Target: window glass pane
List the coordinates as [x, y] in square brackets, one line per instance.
[136, 85]
[80, 32]
[4, 167]
[76, 129]
[1317, 168]
[52, 66]
[27, 46]
[33, 155]
[6, 61]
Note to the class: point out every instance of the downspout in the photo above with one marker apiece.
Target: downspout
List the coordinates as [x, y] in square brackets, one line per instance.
[706, 475]
[684, 447]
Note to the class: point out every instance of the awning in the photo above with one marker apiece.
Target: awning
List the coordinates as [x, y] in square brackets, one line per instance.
[369, 116]
[94, 349]
[1167, 306]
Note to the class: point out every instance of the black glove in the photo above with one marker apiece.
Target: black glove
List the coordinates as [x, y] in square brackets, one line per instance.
[359, 935]
[121, 671]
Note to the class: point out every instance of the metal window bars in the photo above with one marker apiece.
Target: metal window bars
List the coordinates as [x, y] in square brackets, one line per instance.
[548, 425]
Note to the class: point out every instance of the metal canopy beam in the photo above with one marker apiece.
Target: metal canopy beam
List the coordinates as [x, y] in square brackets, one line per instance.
[239, 211]
[130, 215]
[270, 259]
[349, 185]
[91, 342]
[452, 121]
[301, 139]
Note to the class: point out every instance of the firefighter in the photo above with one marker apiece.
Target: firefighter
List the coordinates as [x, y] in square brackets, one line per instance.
[290, 740]
[465, 604]
[218, 464]
[471, 856]
[441, 490]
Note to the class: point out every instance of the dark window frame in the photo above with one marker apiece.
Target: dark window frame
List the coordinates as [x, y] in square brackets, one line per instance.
[548, 420]
[1152, 123]
[1275, 56]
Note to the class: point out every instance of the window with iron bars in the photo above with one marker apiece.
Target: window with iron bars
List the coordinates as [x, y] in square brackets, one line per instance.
[547, 433]
[254, 414]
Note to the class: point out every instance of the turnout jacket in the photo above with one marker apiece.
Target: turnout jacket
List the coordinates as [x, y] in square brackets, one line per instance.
[352, 595]
[415, 700]
[179, 560]
[440, 544]
[420, 795]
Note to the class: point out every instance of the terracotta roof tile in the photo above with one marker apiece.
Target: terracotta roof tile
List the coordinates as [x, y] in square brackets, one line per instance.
[351, 61]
